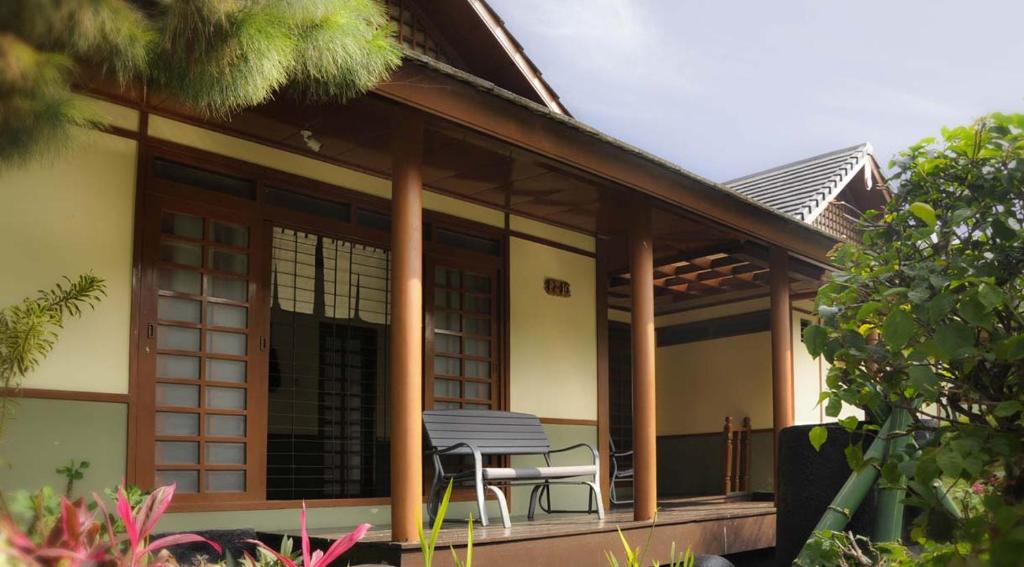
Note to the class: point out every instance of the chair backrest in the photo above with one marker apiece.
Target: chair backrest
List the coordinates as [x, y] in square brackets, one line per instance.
[493, 432]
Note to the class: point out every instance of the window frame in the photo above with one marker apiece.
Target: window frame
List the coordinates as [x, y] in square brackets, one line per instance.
[153, 193]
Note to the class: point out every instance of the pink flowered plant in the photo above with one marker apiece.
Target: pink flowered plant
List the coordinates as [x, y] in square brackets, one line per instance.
[139, 524]
[317, 558]
[80, 539]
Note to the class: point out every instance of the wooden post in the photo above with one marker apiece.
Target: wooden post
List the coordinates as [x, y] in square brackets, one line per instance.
[603, 397]
[782, 349]
[727, 465]
[407, 329]
[641, 263]
[745, 469]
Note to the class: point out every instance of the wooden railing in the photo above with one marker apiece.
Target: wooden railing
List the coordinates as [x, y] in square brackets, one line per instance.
[736, 476]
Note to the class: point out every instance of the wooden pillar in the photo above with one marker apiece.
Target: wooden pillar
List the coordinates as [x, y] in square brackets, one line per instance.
[782, 349]
[641, 267]
[603, 397]
[407, 328]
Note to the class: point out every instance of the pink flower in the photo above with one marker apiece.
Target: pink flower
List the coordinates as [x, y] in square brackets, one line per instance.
[978, 488]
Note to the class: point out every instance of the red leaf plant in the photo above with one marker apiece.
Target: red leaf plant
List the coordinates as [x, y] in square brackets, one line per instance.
[79, 539]
[317, 558]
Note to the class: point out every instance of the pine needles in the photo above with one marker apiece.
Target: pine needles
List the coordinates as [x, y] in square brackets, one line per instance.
[215, 57]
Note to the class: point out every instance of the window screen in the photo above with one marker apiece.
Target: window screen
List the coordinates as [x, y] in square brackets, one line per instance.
[328, 380]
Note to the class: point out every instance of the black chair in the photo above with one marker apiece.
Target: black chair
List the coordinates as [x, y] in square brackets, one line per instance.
[622, 471]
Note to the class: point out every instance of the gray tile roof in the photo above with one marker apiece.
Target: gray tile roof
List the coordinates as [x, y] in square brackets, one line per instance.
[802, 189]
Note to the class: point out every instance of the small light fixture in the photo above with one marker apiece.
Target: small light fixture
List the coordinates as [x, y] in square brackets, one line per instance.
[311, 142]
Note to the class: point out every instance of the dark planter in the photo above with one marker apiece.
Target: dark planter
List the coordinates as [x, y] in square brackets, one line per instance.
[808, 481]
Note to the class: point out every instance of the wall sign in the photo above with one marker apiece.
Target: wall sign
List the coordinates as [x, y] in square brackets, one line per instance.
[557, 288]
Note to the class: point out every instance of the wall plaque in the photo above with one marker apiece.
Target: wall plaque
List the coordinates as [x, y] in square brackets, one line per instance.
[557, 288]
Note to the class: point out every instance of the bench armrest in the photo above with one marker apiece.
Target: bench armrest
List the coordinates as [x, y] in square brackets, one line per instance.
[450, 448]
[593, 451]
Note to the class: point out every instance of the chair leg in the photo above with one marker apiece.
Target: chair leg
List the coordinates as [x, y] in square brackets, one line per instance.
[613, 496]
[502, 505]
[434, 499]
[596, 491]
[481, 502]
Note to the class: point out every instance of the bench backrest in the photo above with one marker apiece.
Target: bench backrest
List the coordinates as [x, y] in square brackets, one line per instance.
[493, 432]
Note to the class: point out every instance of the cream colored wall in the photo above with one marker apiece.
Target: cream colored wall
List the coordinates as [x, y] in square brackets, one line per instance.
[552, 233]
[67, 217]
[730, 376]
[214, 142]
[553, 344]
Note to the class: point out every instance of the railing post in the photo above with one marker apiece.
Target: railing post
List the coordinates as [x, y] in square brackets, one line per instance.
[641, 262]
[727, 465]
[407, 328]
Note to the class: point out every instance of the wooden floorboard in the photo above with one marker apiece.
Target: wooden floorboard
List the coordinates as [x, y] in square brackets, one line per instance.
[709, 525]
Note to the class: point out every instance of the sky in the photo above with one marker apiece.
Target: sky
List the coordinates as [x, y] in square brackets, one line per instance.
[726, 88]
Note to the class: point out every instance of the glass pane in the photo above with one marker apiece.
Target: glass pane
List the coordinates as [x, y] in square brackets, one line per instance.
[477, 390]
[225, 481]
[225, 398]
[447, 299]
[446, 366]
[446, 405]
[181, 395]
[440, 276]
[175, 309]
[186, 481]
[477, 282]
[230, 234]
[177, 338]
[171, 366]
[225, 425]
[225, 453]
[446, 343]
[182, 225]
[168, 423]
[477, 369]
[227, 261]
[476, 406]
[476, 303]
[182, 281]
[229, 288]
[177, 453]
[446, 388]
[476, 326]
[181, 253]
[477, 347]
[227, 316]
[447, 320]
[220, 342]
[225, 370]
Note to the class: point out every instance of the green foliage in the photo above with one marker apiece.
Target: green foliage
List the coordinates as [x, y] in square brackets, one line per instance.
[634, 557]
[926, 315]
[28, 330]
[427, 546]
[211, 56]
[72, 472]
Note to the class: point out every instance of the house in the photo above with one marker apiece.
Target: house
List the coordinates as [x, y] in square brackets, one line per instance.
[289, 289]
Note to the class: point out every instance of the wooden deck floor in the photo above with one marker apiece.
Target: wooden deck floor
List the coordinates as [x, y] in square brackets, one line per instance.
[708, 525]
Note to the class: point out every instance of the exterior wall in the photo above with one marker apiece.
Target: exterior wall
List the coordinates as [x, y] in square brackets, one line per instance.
[77, 214]
[71, 216]
[553, 340]
[566, 496]
[41, 435]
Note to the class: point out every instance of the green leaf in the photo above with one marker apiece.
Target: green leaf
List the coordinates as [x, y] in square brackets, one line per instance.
[818, 435]
[849, 423]
[976, 313]
[1011, 349]
[815, 337]
[898, 328]
[940, 306]
[991, 296]
[1008, 408]
[854, 456]
[950, 462]
[1002, 231]
[833, 407]
[925, 212]
[951, 340]
[923, 379]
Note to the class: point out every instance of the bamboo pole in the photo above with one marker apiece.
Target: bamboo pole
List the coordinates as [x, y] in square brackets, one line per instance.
[853, 492]
[889, 516]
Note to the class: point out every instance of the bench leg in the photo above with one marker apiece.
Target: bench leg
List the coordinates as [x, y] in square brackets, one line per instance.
[481, 502]
[502, 505]
[596, 490]
[534, 497]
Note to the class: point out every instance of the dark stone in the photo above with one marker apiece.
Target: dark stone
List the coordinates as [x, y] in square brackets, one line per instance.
[808, 481]
[231, 541]
[711, 561]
